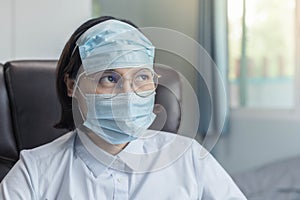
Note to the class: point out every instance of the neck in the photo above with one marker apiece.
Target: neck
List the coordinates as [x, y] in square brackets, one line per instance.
[112, 149]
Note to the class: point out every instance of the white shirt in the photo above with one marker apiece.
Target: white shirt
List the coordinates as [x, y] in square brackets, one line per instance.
[158, 166]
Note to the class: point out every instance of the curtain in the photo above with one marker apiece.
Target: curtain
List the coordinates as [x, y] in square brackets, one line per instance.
[213, 38]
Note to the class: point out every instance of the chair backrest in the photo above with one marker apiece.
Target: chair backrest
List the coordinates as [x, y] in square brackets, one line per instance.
[8, 148]
[169, 96]
[34, 103]
[29, 106]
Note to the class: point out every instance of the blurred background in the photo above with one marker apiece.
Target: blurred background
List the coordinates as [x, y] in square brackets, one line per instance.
[253, 42]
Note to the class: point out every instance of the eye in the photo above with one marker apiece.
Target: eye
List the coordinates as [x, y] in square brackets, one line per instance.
[142, 77]
[108, 80]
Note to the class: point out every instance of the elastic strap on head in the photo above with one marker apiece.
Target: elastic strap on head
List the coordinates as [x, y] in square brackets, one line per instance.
[76, 85]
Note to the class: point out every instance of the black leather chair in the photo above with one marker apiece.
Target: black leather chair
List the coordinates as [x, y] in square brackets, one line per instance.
[8, 148]
[29, 106]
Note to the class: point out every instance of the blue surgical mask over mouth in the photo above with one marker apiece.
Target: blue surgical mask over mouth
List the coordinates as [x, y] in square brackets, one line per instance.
[120, 119]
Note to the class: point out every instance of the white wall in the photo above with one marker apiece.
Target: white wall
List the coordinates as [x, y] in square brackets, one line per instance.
[38, 29]
[6, 36]
[174, 14]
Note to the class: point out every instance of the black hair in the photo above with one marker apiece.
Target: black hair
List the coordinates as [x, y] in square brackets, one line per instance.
[69, 64]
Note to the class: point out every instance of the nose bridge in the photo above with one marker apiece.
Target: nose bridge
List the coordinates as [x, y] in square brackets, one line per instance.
[127, 85]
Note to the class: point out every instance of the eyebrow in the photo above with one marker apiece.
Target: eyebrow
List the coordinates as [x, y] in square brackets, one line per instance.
[134, 70]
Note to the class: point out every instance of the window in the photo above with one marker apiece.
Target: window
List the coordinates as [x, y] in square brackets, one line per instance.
[261, 36]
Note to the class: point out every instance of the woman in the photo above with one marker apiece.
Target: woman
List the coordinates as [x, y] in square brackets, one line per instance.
[106, 72]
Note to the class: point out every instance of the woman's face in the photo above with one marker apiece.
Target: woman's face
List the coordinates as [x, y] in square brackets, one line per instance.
[142, 81]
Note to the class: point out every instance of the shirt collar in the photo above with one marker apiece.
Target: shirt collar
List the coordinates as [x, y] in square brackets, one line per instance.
[98, 160]
[142, 155]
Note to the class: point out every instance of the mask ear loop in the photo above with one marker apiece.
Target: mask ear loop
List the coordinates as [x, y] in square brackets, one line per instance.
[76, 86]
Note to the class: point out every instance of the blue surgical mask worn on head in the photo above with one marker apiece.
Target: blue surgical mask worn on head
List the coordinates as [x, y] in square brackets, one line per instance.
[114, 44]
[120, 119]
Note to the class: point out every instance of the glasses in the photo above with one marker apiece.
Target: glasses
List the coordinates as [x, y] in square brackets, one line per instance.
[143, 82]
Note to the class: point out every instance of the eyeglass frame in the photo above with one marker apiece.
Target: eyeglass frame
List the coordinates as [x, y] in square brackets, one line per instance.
[130, 79]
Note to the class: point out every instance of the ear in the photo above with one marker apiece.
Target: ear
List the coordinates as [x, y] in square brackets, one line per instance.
[69, 84]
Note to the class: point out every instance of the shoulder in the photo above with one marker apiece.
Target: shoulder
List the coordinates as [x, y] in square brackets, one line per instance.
[201, 164]
[176, 144]
[186, 148]
[44, 161]
[162, 138]
[52, 149]
[37, 165]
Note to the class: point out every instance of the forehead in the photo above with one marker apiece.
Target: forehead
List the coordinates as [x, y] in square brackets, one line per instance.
[123, 71]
